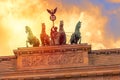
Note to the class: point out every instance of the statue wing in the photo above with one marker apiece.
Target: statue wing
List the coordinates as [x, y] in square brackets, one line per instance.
[49, 11]
[55, 10]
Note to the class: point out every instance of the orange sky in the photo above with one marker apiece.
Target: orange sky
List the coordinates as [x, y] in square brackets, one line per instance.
[16, 14]
[114, 1]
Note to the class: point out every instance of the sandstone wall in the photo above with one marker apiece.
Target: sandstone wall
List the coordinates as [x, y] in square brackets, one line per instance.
[7, 63]
[106, 77]
[102, 64]
[104, 57]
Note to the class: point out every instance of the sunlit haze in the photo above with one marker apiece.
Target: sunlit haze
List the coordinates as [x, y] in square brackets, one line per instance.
[16, 14]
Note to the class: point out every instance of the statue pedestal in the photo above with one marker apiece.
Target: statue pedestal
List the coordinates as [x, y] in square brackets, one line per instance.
[49, 57]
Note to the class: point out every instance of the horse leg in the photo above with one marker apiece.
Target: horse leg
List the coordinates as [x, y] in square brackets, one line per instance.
[26, 43]
[80, 40]
[52, 41]
[48, 42]
[37, 43]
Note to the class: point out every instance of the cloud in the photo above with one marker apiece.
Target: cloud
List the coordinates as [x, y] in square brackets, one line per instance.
[115, 11]
[114, 1]
[16, 14]
[114, 18]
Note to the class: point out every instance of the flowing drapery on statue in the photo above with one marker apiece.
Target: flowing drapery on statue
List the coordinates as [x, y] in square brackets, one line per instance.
[45, 39]
[54, 36]
[76, 36]
[31, 39]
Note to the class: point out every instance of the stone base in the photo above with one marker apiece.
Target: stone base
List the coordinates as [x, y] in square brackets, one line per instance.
[49, 57]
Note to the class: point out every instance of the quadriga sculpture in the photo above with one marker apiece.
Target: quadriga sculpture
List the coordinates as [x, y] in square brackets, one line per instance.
[76, 36]
[45, 39]
[31, 39]
[62, 35]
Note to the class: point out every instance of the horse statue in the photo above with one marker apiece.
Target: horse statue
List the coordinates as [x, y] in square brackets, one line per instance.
[31, 39]
[62, 35]
[44, 37]
[76, 36]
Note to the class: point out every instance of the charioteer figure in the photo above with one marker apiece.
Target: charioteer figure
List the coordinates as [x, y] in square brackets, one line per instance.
[53, 29]
[54, 36]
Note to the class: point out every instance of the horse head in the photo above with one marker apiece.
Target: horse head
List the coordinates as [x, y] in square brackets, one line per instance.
[43, 27]
[78, 25]
[27, 29]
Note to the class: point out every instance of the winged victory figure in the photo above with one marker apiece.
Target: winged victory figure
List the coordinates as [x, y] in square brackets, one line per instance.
[52, 11]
